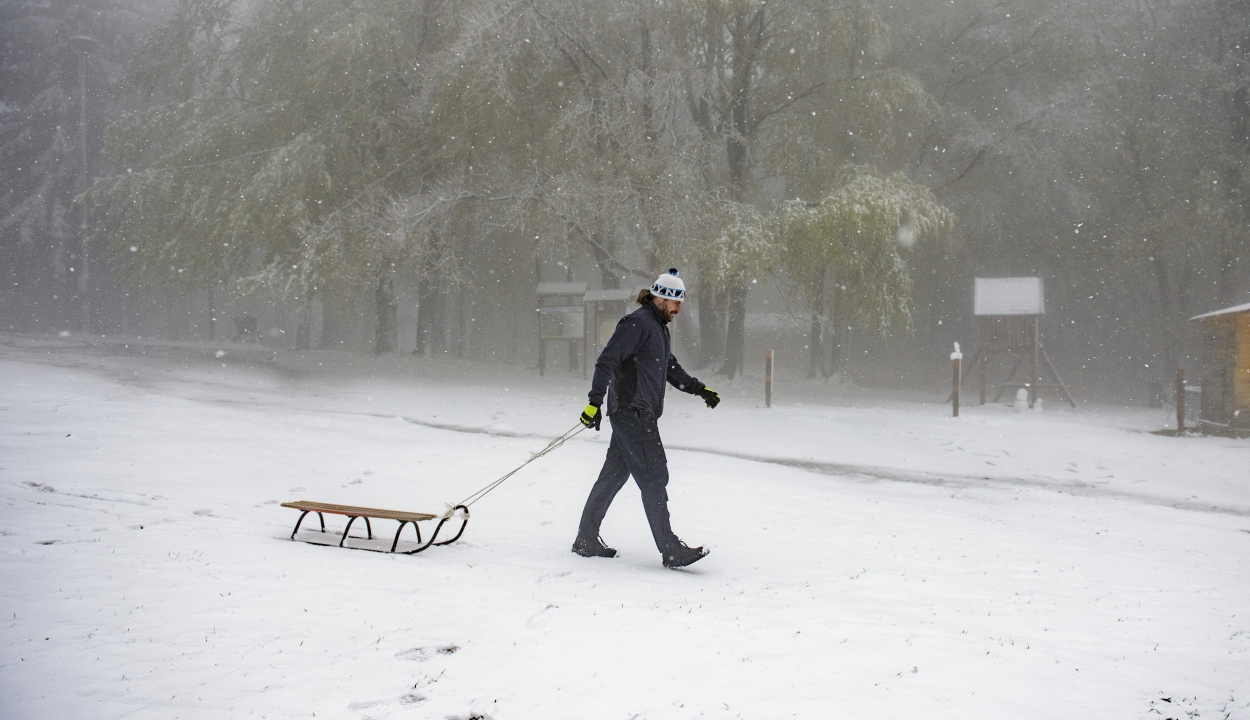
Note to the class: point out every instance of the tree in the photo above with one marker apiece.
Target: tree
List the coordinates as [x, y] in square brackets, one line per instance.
[1096, 146]
[60, 63]
[792, 90]
[271, 142]
[611, 171]
[848, 252]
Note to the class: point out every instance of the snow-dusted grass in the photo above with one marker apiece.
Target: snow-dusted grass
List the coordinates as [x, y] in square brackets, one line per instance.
[871, 557]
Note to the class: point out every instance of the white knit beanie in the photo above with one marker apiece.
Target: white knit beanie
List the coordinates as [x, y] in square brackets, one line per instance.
[669, 286]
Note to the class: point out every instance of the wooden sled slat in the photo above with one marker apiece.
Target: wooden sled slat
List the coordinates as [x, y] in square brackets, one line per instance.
[354, 511]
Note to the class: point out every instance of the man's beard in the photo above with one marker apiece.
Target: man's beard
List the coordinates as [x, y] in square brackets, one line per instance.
[668, 315]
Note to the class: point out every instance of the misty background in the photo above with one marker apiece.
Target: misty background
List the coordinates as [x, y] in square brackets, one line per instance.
[397, 176]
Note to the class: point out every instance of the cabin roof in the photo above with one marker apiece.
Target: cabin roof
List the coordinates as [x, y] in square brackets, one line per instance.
[1226, 311]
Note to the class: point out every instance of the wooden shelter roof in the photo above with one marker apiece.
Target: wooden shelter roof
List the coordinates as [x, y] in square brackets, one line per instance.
[1226, 311]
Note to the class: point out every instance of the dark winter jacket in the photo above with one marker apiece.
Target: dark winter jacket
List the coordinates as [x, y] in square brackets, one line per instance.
[636, 362]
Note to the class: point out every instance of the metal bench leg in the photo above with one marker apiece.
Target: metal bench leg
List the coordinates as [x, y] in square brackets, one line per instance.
[297, 523]
[346, 530]
[402, 523]
[323, 521]
[368, 527]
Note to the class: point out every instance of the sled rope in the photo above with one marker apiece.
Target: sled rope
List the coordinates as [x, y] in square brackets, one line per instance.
[556, 443]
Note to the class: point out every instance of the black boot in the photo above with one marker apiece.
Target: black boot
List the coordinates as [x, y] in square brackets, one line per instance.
[681, 556]
[588, 546]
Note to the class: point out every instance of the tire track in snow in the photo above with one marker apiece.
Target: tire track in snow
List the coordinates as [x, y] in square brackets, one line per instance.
[863, 471]
[898, 475]
[883, 473]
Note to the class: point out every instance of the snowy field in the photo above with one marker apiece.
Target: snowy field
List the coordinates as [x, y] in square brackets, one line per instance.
[871, 556]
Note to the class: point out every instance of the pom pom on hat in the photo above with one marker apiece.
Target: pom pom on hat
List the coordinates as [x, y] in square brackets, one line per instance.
[669, 286]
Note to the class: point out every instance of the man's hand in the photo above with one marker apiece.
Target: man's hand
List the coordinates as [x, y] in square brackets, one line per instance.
[591, 417]
[709, 396]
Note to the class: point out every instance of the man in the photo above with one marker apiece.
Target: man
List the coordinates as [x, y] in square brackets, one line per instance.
[631, 371]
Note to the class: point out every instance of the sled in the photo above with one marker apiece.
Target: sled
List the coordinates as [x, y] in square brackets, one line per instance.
[352, 513]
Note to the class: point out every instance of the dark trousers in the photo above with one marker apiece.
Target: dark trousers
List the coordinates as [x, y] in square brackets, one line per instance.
[635, 450]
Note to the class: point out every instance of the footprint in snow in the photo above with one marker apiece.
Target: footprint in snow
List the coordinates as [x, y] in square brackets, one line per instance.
[541, 617]
[411, 699]
[421, 654]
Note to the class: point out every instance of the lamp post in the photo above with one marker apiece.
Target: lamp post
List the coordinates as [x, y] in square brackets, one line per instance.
[83, 44]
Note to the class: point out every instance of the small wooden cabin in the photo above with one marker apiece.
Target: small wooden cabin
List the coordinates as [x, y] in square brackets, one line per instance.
[1226, 367]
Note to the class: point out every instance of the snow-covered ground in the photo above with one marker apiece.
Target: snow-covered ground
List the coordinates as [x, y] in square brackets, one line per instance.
[871, 556]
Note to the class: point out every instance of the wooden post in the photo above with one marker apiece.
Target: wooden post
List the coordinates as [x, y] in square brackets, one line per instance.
[1180, 401]
[956, 358]
[768, 378]
[1033, 378]
[542, 346]
[982, 358]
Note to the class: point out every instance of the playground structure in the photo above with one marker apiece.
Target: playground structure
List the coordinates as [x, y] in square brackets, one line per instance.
[1010, 312]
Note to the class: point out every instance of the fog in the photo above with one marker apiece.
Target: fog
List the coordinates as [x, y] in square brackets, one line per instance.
[366, 253]
[399, 177]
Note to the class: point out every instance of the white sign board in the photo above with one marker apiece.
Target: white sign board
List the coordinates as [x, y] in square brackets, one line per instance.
[1008, 296]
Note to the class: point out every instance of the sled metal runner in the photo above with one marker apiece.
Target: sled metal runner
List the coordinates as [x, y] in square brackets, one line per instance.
[352, 513]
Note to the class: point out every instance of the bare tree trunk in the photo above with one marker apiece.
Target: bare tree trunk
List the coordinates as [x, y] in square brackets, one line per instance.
[429, 316]
[303, 332]
[462, 325]
[332, 324]
[817, 336]
[817, 346]
[840, 332]
[1167, 312]
[610, 271]
[711, 327]
[387, 329]
[735, 334]
[212, 316]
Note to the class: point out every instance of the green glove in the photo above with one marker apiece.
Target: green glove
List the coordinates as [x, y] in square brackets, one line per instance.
[709, 396]
[591, 417]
